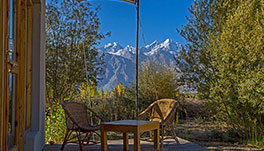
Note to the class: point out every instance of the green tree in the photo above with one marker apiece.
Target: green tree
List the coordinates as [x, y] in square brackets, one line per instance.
[72, 29]
[238, 53]
[72, 32]
[194, 63]
[224, 59]
[156, 82]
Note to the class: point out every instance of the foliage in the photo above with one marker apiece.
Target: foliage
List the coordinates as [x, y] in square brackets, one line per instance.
[89, 90]
[55, 123]
[72, 61]
[224, 61]
[120, 91]
[194, 62]
[156, 82]
[102, 93]
[116, 106]
[240, 71]
[72, 29]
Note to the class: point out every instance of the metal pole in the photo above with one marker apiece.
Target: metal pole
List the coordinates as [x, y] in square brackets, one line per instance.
[137, 59]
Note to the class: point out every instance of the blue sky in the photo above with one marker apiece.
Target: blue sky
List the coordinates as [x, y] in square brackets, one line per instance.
[159, 20]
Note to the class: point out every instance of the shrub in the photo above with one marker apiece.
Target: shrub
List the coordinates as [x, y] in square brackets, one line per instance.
[55, 124]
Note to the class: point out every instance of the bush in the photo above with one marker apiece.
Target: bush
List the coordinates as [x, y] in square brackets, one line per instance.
[55, 124]
[113, 108]
[155, 82]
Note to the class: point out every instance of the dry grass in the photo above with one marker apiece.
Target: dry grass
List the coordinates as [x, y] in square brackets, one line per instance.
[213, 136]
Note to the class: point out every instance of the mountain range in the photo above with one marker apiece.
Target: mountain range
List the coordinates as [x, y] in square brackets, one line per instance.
[120, 61]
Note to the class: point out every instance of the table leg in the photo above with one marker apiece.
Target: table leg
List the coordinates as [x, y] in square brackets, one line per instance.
[125, 141]
[156, 138]
[103, 140]
[137, 141]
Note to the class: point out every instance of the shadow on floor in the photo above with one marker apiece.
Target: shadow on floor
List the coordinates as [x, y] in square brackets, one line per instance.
[116, 145]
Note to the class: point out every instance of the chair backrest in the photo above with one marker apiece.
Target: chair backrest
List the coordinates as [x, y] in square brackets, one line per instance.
[167, 108]
[76, 115]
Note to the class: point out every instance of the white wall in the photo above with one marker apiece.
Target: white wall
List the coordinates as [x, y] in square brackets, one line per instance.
[35, 139]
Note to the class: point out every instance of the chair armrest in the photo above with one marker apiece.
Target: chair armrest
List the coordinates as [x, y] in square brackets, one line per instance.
[145, 111]
[157, 108]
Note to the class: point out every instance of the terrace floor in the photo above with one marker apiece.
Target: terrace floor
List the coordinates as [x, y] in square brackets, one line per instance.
[117, 145]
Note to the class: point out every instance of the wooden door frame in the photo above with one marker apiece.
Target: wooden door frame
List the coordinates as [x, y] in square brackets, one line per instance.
[3, 75]
[21, 79]
[21, 48]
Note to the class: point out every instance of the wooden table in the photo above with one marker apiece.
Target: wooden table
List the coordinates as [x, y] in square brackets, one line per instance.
[129, 126]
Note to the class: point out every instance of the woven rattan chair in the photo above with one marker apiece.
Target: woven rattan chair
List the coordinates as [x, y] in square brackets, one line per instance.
[163, 111]
[79, 124]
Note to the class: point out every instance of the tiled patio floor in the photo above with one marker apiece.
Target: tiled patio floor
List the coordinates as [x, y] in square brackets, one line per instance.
[116, 145]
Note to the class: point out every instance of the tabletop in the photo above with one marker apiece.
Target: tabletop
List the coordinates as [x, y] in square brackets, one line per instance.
[128, 122]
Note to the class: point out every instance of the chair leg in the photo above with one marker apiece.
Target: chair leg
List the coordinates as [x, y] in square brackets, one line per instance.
[174, 134]
[86, 138]
[162, 133]
[89, 135]
[151, 135]
[162, 137]
[65, 139]
[80, 140]
[83, 140]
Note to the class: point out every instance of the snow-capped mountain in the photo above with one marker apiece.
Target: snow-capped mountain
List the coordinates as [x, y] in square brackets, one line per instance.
[152, 45]
[112, 47]
[120, 61]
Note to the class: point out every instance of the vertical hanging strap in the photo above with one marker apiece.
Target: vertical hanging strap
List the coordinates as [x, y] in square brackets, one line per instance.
[142, 33]
[86, 68]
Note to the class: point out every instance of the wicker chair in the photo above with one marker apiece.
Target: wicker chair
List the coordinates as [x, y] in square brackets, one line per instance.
[79, 122]
[163, 111]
